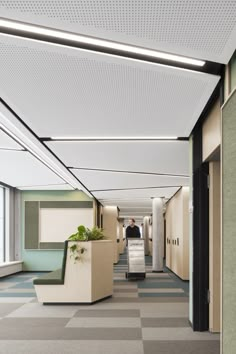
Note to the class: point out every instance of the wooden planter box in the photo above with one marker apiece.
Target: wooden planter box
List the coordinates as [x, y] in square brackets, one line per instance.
[85, 281]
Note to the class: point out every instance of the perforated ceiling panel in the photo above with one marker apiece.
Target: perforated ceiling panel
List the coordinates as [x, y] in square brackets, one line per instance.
[133, 206]
[20, 168]
[97, 180]
[6, 142]
[67, 92]
[158, 157]
[138, 193]
[198, 28]
[129, 203]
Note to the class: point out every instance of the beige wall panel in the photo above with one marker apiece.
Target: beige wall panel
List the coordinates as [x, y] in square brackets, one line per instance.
[185, 248]
[177, 231]
[110, 215]
[211, 131]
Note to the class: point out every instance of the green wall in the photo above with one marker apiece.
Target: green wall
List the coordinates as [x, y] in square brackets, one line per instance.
[43, 260]
[229, 224]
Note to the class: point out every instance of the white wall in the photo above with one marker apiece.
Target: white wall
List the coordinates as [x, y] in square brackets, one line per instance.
[57, 224]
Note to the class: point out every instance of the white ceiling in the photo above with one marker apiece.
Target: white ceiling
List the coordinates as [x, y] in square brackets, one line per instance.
[88, 94]
[7, 143]
[203, 29]
[61, 91]
[138, 193]
[50, 187]
[20, 168]
[150, 156]
[97, 180]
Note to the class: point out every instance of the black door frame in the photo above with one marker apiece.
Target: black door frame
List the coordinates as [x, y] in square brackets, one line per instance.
[200, 236]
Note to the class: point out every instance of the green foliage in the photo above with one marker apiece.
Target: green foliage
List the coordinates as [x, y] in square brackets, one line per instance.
[86, 234]
[76, 252]
[94, 234]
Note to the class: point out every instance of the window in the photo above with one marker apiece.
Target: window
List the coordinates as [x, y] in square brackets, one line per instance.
[2, 224]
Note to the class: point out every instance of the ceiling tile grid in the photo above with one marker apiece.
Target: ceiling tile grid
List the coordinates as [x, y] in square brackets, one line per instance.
[203, 29]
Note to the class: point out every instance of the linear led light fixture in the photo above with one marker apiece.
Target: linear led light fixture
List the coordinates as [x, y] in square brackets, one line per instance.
[76, 138]
[36, 155]
[88, 40]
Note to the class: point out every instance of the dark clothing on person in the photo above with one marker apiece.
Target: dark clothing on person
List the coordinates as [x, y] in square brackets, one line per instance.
[133, 232]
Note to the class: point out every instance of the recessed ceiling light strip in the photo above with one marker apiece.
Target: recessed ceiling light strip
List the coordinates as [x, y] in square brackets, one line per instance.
[36, 155]
[40, 32]
[18, 132]
[132, 138]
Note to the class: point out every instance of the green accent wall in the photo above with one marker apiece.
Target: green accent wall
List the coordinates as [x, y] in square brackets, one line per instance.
[31, 220]
[229, 223]
[44, 260]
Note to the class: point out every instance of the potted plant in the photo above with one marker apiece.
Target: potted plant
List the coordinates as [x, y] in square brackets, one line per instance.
[84, 234]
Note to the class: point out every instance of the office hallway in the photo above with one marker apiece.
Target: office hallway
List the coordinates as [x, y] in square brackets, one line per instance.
[142, 317]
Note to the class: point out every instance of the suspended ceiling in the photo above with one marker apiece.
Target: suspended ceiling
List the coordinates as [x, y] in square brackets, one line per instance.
[202, 29]
[66, 92]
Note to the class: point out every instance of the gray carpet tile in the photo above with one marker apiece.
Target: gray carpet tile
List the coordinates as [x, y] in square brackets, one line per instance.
[181, 347]
[176, 333]
[58, 333]
[162, 299]
[125, 290]
[6, 309]
[143, 317]
[165, 322]
[71, 347]
[107, 313]
[26, 323]
[104, 322]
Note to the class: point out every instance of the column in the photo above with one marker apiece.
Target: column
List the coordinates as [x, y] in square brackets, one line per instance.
[157, 235]
[146, 234]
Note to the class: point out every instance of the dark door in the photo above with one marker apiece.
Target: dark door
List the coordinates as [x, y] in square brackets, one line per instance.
[200, 237]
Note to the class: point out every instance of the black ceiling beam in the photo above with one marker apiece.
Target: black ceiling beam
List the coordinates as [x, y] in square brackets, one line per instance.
[130, 172]
[47, 139]
[209, 67]
[128, 189]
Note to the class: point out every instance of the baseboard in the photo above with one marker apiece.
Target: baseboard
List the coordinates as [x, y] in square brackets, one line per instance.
[10, 268]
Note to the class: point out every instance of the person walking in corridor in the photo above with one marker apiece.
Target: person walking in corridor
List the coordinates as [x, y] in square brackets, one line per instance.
[132, 231]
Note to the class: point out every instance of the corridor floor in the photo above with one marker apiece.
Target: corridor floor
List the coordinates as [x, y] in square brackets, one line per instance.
[142, 317]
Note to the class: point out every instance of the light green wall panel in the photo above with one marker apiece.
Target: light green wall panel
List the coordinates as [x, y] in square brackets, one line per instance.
[43, 260]
[229, 223]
